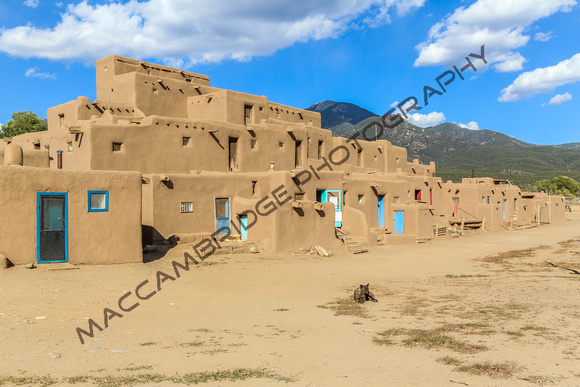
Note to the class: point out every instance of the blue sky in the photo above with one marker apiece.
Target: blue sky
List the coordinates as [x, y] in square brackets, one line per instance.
[372, 53]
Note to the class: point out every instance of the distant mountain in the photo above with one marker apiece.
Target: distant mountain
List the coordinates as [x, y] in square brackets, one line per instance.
[337, 113]
[570, 145]
[456, 150]
[481, 137]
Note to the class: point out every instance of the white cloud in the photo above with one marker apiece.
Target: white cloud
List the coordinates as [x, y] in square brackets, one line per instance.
[426, 120]
[210, 31]
[31, 3]
[560, 98]
[471, 125]
[31, 73]
[543, 37]
[542, 80]
[498, 24]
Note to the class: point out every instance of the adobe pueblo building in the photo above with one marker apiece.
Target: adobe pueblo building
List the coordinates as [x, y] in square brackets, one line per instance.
[162, 155]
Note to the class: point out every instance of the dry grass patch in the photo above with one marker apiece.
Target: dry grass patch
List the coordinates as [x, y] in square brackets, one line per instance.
[502, 258]
[430, 338]
[18, 381]
[510, 310]
[503, 370]
[346, 307]
[448, 360]
[540, 379]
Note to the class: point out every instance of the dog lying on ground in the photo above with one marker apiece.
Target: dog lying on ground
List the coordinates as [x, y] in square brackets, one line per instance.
[362, 294]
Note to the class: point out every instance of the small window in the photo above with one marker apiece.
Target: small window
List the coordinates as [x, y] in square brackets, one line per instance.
[117, 146]
[360, 198]
[253, 144]
[70, 147]
[254, 182]
[37, 146]
[489, 200]
[98, 201]
[47, 147]
[61, 119]
[186, 206]
[185, 141]
[320, 149]
[281, 144]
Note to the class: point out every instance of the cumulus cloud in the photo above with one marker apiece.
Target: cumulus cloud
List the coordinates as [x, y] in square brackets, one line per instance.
[560, 98]
[470, 125]
[31, 73]
[499, 24]
[426, 120]
[31, 3]
[210, 31]
[543, 37]
[542, 80]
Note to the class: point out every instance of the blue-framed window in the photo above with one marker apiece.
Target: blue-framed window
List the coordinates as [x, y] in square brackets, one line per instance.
[98, 201]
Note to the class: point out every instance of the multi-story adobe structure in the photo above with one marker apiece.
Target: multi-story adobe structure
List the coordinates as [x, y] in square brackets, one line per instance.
[207, 158]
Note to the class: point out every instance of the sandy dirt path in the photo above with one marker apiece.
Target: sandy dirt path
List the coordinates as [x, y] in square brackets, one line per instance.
[444, 312]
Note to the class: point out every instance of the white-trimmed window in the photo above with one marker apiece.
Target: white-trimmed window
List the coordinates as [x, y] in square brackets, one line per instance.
[186, 206]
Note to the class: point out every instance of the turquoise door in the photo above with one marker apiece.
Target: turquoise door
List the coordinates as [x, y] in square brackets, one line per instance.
[52, 227]
[222, 213]
[244, 227]
[399, 222]
[381, 210]
[334, 196]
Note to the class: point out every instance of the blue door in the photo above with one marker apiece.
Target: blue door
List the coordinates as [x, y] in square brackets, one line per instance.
[504, 208]
[51, 227]
[334, 196]
[399, 222]
[244, 227]
[381, 211]
[222, 213]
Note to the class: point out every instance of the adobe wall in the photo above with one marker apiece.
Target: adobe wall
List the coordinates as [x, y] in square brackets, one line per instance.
[539, 207]
[274, 226]
[483, 198]
[93, 238]
[31, 158]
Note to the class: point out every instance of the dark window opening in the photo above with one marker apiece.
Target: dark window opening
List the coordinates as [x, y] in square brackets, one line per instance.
[117, 146]
[254, 182]
[319, 195]
[186, 141]
[233, 153]
[248, 113]
[320, 149]
[417, 194]
[359, 157]
[298, 155]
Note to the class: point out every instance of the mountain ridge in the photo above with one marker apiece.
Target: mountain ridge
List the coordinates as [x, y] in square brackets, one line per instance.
[457, 151]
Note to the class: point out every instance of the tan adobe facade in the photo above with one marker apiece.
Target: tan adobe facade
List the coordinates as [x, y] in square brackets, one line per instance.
[206, 157]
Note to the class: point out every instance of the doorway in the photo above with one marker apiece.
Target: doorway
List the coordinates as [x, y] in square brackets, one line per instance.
[222, 213]
[399, 222]
[52, 227]
[381, 211]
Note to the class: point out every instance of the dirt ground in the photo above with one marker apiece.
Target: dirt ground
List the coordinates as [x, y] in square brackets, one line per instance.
[482, 309]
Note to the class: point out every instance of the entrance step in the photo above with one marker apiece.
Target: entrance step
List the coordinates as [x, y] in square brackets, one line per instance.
[57, 266]
[354, 244]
